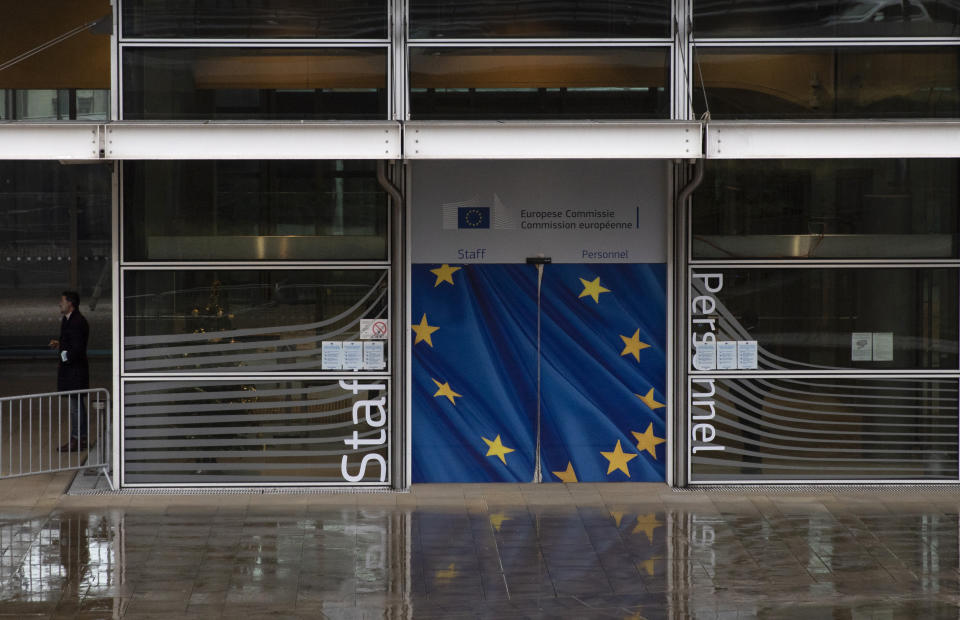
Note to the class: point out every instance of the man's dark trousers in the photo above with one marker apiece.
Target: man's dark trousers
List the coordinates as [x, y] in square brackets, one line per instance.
[74, 373]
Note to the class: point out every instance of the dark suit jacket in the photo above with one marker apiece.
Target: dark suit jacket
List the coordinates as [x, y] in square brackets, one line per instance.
[74, 374]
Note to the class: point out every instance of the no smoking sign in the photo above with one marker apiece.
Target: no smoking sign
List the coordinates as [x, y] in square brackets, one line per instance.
[374, 329]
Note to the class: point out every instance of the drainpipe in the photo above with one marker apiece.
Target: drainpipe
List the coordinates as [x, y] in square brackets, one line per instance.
[689, 188]
[680, 336]
[398, 296]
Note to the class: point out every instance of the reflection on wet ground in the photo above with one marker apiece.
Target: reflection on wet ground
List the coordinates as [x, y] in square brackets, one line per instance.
[621, 551]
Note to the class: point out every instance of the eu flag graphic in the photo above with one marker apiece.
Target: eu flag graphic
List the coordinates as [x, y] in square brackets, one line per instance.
[473, 217]
[603, 373]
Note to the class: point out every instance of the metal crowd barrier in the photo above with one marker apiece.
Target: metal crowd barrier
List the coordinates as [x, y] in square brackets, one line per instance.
[33, 428]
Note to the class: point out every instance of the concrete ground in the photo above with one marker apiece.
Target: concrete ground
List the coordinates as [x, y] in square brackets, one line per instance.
[465, 551]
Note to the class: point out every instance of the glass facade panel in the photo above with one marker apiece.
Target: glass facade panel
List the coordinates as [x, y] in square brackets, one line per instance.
[55, 105]
[55, 59]
[232, 320]
[823, 429]
[254, 83]
[256, 432]
[54, 236]
[539, 19]
[826, 18]
[810, 209]
[254, 210]
[812, 318]
[518, 83]
[838, 82]
[264, 19]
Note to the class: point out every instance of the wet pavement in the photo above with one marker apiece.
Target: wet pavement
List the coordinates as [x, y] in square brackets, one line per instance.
[450, 551]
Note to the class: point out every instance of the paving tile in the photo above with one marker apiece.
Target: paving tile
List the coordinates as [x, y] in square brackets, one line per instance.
[478, 551]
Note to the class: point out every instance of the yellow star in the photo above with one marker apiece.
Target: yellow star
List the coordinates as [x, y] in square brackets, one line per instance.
[444, 273]
[447, 573]
[648, 566]
[497, 449]
[649, 400]
[593, 289]
[423, 331]
[648, 441]
[632, 345]
[618, 459]
[446, 390]
[617, 516]
[647, 524]
[567, 475]
[497, 519]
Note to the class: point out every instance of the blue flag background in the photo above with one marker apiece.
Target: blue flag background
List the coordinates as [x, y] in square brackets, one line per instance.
[603, 372]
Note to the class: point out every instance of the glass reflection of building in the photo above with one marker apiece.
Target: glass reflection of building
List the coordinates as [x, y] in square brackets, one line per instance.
[239, 267]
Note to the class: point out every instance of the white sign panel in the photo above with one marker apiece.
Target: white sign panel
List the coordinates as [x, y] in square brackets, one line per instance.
[331, 355]
[353, 355]
[572, 211]
[861, 346]
[374, 329]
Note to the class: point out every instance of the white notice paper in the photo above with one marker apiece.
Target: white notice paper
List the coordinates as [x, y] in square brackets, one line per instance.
[706, 356]
[726, 355]
[373, 355]
[353, 355]
[331, 355]
[861, 347]
[747, 355]
[883, 346]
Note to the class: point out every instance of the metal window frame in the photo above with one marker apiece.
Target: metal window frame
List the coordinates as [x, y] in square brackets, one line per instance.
[118, 28]
[836, 264]
[122, 376]
[504, 41]
[268, 44]
[682, 45]
[791, 42]
[539, 43]
[688, 373]
[253, 377]
[797, 481]
[249, 266]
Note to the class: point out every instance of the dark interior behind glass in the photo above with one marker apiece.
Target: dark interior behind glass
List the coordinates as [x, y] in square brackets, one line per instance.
[826, 18]
[810, 209]
[539, 19]
[254, 83]
[826, 83]
[538, 83]
[806, 318]
[54, 235]
[264, 19]
[254, 210]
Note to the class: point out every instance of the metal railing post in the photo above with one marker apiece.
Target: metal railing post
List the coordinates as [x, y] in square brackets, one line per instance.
[91, 407]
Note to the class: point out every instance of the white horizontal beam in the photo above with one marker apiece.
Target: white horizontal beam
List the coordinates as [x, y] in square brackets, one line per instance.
[552, 140]
[832, 140]
[361, 140]
[51, 141]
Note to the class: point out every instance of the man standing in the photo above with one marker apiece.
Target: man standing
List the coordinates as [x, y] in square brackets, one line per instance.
[73, 372]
